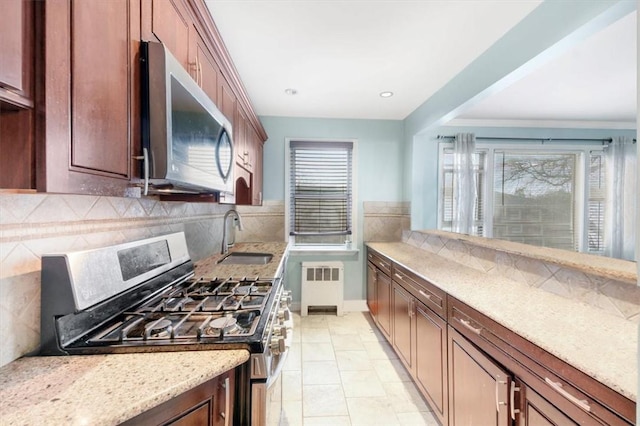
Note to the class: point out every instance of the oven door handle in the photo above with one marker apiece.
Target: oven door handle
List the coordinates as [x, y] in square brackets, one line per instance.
[282, 358]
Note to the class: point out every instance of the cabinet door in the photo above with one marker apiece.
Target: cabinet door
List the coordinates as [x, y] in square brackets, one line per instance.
[169, 21]
[205, 70]
[227, 104]
[372, 301]
[538, 411]
[91, 96]
[478, 387]
[431, 359]
[16, 45]
[223, 411]
[403, 327]
[258, 158]
[383, 291]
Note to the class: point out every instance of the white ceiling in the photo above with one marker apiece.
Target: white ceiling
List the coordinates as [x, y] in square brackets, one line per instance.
[593, 81]
[339, 56]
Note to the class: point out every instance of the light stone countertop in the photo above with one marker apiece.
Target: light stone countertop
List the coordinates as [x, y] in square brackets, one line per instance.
[599, 344]
[607, 267]
[102, 389]
[109, 389]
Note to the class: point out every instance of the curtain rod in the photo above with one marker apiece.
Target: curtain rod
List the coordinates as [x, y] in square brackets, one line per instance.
[543, 140]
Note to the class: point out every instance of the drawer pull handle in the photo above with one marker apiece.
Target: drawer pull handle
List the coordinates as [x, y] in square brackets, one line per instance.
[398, 276]
[582, 403]
[382, 265]
[468, 325]
[428, 296]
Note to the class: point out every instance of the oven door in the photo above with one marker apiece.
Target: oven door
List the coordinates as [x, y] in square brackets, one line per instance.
[266, 395]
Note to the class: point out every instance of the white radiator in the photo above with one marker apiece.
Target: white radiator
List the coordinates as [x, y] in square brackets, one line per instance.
[322, 285]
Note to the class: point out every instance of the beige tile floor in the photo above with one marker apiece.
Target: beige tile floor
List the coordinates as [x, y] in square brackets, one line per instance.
[341, 371]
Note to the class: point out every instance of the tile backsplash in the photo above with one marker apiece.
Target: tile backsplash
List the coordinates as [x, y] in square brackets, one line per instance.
[35, 224]
[617, 296]
[385, 221]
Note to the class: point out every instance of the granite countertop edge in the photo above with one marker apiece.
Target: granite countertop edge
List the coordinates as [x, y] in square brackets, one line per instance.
[103, 389]
[605, 350]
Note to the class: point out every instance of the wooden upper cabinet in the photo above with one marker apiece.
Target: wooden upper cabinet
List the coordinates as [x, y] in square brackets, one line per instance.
[207, 73]
[227, 102]
[17, 32]
[258, 170]
[91, 96]
[169, 22]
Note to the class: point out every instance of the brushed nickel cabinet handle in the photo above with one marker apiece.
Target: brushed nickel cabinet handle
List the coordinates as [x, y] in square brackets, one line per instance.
[227, 401]
[582, 403]
[498, 402]
[428, 296]
[468, 325]
[512, 400]
[398, 276]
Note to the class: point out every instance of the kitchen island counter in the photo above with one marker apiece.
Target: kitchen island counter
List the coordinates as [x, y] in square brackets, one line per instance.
[592, 340]
[103, 389]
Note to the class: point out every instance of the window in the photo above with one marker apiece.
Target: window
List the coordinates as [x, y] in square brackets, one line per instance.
[320, 193]
[553, 197]
[448, 205]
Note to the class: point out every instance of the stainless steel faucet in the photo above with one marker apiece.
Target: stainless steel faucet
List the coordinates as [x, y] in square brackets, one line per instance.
[225, 246]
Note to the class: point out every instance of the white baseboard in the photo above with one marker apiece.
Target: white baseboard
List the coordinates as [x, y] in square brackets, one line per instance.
[347, 306]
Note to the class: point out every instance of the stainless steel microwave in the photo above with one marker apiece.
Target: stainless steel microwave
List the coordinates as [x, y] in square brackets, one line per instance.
[187, 142]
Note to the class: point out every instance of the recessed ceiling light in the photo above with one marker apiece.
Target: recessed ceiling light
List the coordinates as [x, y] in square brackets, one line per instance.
[290, 91]
[386, 94]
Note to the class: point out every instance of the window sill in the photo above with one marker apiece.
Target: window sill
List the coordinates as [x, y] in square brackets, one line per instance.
[316, 250]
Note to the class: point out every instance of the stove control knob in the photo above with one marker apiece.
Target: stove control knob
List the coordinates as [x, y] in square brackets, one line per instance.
[280, 331]
[284, 315]
[277, 345]
[286, 299]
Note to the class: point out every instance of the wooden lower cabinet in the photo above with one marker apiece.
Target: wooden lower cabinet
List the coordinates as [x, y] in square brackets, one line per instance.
[403, 325]
[209, 404]
[372, 300]
[472, 370]
[383, 292]
[537, 411]
[478, 387]
[431, 360]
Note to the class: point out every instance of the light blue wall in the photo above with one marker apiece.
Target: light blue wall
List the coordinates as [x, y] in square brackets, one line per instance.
[380, 164]
[546, 31]
[398, 159]
[424, 194]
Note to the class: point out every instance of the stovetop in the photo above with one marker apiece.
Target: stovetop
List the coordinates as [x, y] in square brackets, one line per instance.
[202, 313]
[142, 296]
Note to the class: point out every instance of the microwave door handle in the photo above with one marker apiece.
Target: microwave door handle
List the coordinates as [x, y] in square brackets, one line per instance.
[145, 166]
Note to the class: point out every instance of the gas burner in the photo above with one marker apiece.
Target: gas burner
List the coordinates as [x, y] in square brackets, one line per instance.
[219, 327]
[159, 329]
[223, 322]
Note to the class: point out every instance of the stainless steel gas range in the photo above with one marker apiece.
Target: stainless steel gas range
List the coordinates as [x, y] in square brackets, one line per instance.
[143, 296]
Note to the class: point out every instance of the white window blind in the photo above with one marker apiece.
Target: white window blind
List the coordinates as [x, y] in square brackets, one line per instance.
[320, 192]
[534, 198]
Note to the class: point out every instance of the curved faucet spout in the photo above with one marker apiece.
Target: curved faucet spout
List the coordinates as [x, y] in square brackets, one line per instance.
[225, 245]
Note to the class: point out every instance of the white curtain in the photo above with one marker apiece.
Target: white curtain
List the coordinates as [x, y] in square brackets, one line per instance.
[620, 213]
[464, 188]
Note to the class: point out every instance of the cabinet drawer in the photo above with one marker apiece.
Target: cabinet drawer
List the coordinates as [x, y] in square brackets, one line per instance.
[379, 261]
[575, 393]
[423, 290]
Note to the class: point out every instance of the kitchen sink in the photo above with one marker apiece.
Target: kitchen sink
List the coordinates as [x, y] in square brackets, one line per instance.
[246, 258]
